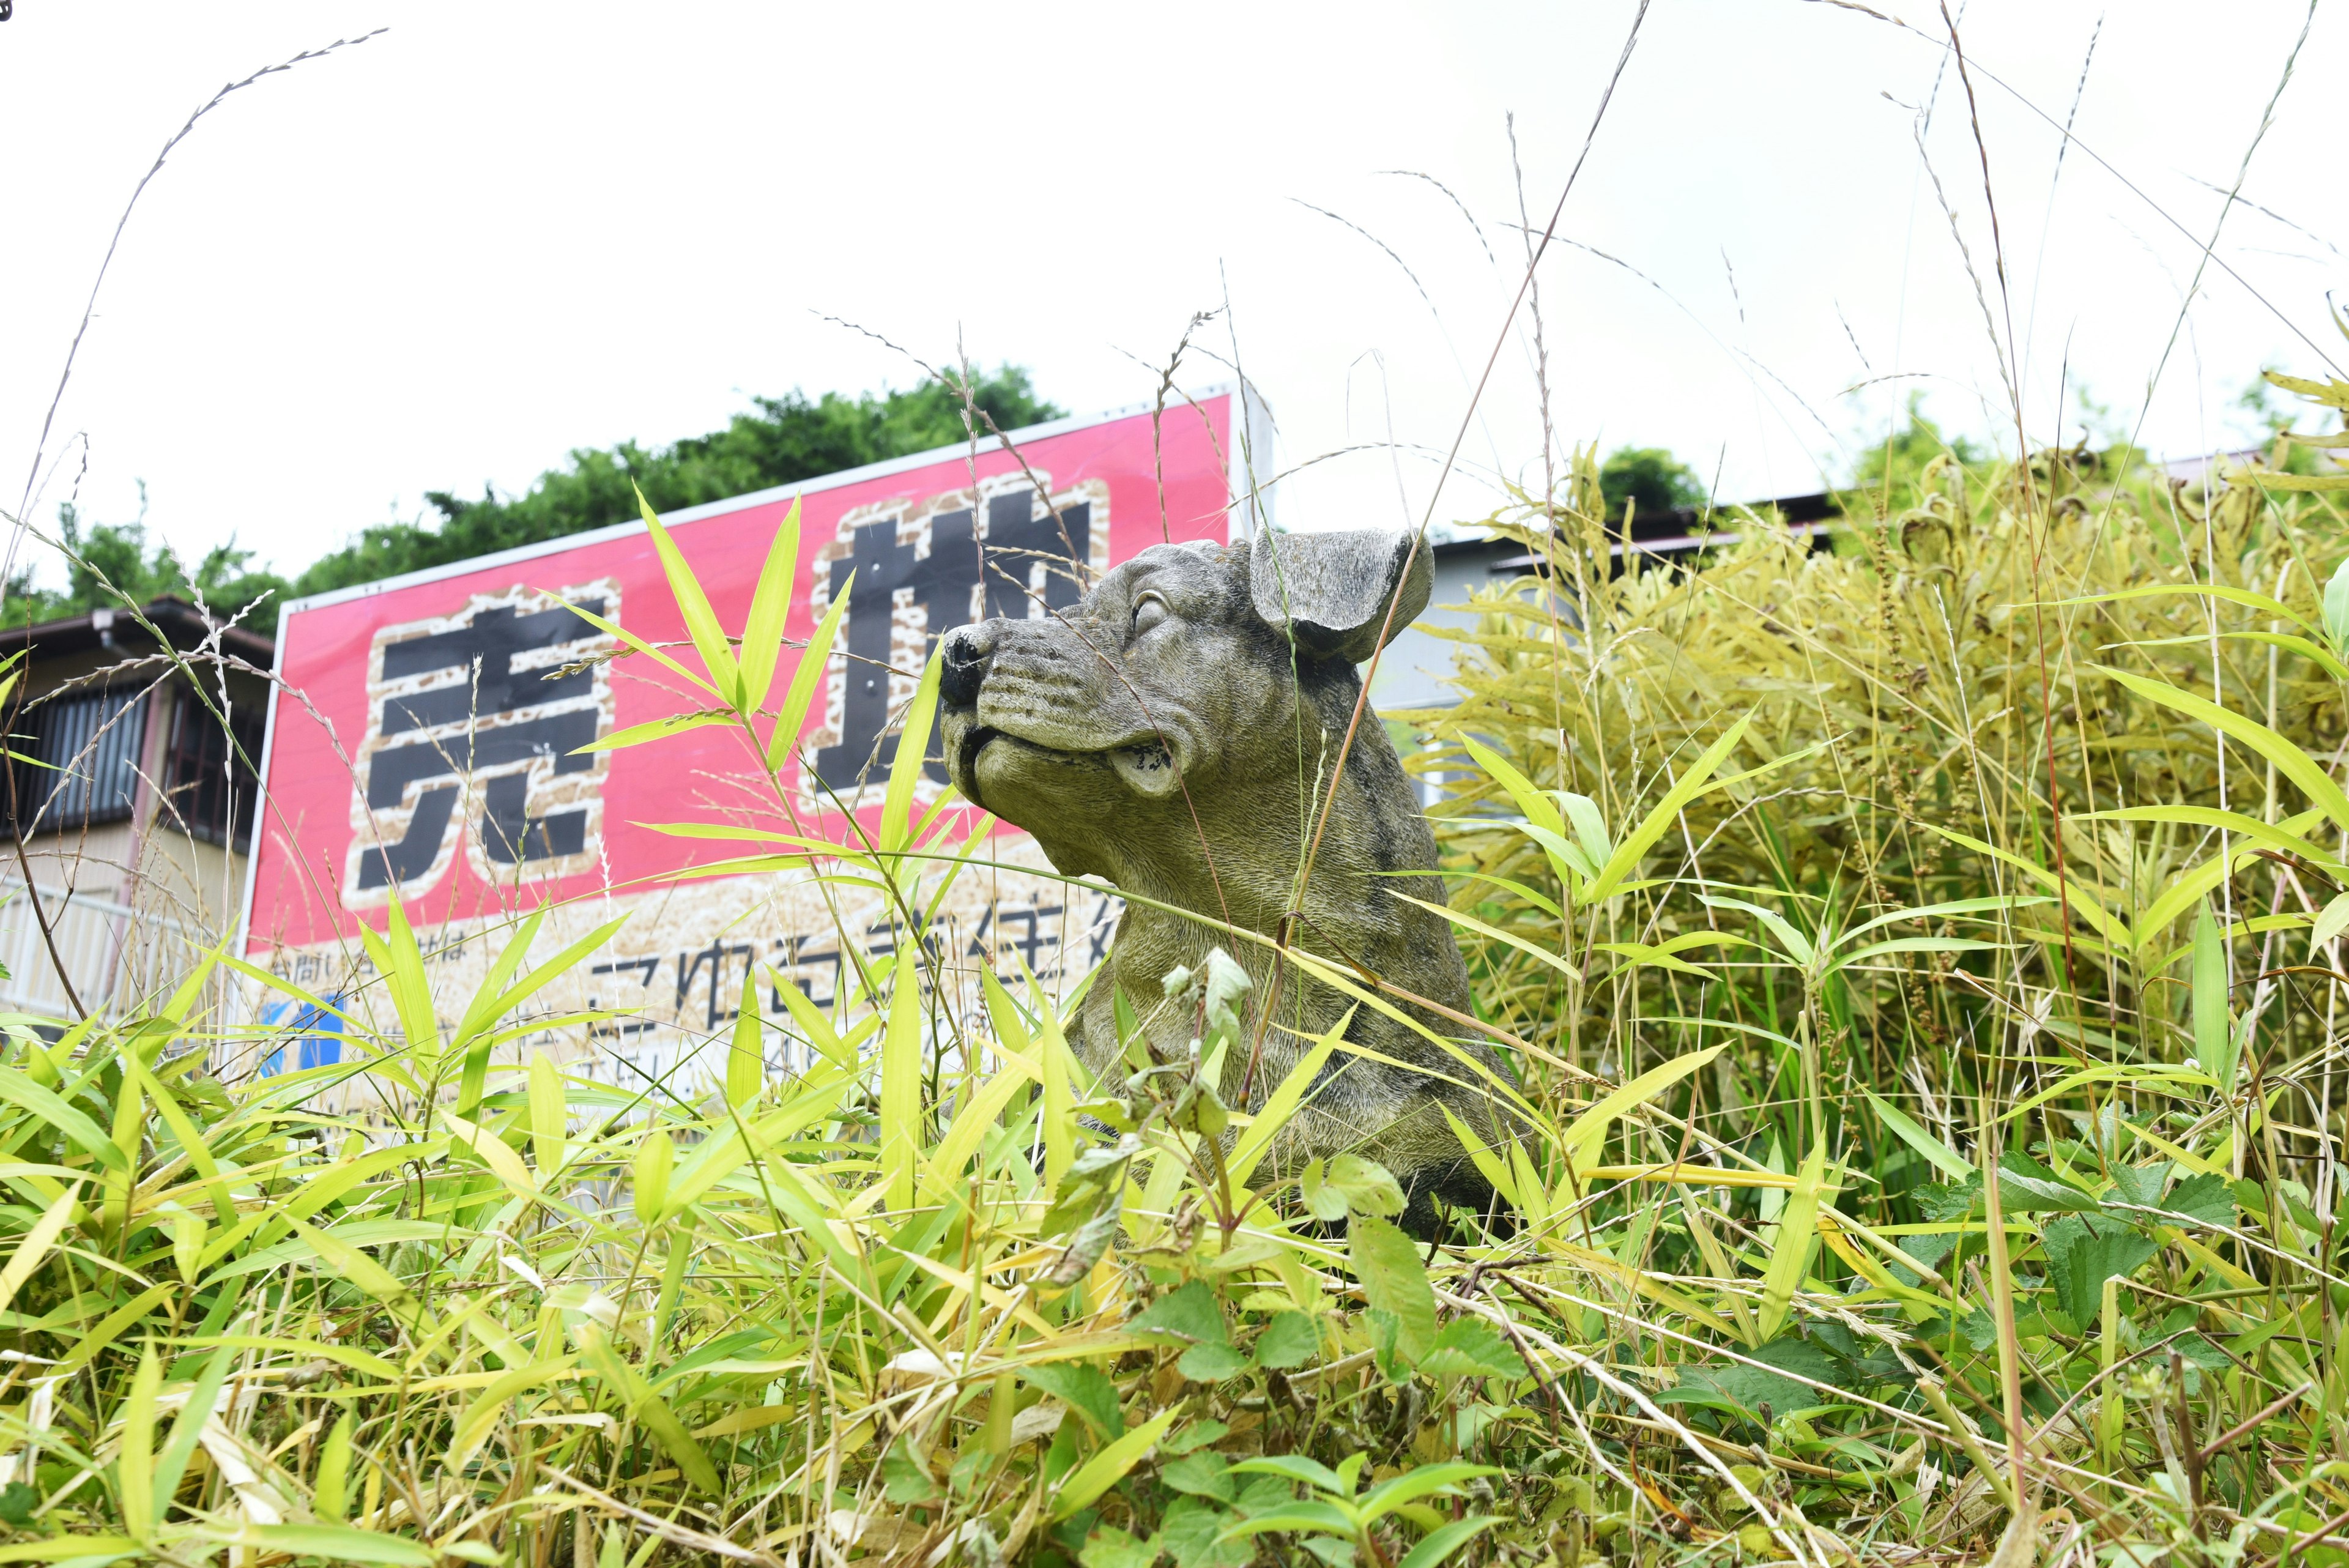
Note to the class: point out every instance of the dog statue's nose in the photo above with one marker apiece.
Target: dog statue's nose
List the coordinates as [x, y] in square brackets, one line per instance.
[963, 664]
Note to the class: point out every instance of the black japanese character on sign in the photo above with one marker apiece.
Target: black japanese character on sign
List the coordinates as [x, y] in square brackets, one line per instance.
[1029, 562]
[481, 705]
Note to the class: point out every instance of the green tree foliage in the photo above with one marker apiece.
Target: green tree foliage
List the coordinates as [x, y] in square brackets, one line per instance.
[786, 439]
[109, 561]
[1650, 480]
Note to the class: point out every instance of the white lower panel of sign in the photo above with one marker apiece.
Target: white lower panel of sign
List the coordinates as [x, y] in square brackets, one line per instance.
[671, 981]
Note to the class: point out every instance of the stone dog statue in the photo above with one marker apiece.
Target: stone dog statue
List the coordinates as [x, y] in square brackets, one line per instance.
[1170, 733]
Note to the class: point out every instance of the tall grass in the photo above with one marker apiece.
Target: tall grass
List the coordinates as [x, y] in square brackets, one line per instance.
[1917, 959]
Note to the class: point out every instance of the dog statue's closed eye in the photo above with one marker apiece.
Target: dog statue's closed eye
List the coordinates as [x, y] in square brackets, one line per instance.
[1173, 733]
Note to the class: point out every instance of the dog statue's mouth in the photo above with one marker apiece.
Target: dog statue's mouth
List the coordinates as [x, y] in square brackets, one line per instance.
[972, 744]
[1147, 764]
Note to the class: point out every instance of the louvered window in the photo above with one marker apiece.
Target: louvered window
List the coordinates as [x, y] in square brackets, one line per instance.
[90, 744]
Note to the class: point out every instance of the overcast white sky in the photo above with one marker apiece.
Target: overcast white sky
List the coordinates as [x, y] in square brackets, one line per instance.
[496, 232]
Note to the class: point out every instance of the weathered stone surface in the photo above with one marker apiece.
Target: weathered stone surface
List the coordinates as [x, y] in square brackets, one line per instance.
[1172, 733]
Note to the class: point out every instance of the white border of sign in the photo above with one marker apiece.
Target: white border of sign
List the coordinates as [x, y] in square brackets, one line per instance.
[1249, 506]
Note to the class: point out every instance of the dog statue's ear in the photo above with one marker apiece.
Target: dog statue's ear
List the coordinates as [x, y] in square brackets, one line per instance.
[1330, 592]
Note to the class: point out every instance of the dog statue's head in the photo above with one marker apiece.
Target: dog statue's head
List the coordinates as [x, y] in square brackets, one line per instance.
[1170, 695]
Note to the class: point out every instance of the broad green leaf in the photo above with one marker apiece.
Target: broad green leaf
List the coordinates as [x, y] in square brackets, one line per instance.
[1393, 1281]
[1419, 1482]
[771, 605]
[1470, 1347]
[1445, 1540]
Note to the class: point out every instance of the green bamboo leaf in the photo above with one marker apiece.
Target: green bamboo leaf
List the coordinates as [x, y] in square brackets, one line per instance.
[655, 1158]
[1587, 1133]
[1444, 1541]
[2305, 772]
[46, 1103]
[1106, 1469]
[181, 1446]
[1652, 826]
[815, 659]
[136, 1464]
[1798, 1225]
[330, 1494]
[906, 770]
[2082, 903]
[901, 1082]
[746, 1063]
[1940, 1156]
[2214, 1023]
[334, 1542]
[550, 1115]
[771, 604]
[700, 620]
[657, 730]
[1537, 809]
[1282, 1104]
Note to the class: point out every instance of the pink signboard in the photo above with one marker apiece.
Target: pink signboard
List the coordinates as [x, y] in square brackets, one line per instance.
[425, 740]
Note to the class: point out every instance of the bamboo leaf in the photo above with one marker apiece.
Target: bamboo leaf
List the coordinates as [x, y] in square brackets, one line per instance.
[137, 1462]
[1587, 1133]
[815, 661]
[2305, 772]
[1938, 1155]
[2214, 1026]
[901, 1081]
[1790, 1257]
[746, 1063]
[550, 1116]
[1652, 826]
[700, 620]
[905, 769]
[1109, 1467]
[771, 605]
[1282, 1103]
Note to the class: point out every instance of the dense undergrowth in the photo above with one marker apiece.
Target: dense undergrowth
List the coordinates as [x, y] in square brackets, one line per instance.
[1805, 889]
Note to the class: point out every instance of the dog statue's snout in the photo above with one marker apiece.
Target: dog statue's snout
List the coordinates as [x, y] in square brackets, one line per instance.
[963, 663]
